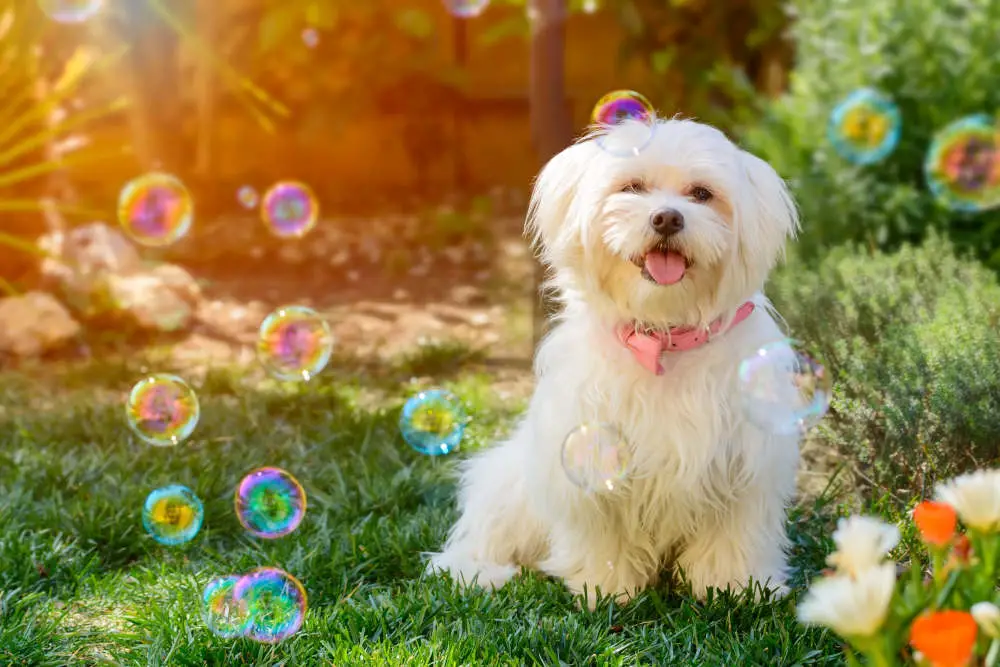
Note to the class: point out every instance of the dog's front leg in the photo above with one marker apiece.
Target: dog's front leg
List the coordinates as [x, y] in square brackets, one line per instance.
[746, 542]
[593, 557]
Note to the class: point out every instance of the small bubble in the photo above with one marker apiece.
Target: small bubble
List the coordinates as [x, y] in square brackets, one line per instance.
[155, 209]
[172, 515]
[162, 410]
[294, 343]
[290, 209]
[784, 391]
[433, 422]
[595, 457]
[270, 503]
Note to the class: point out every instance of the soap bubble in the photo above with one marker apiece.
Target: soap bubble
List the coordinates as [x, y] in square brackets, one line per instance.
[247, 197]
[626, 118]
[223, 615]
[275, 601]
[865, 127]
[70, 11]
[155, 209]
[294, 343]
[963, 164]
[466, 9]
[172, 515]
[433, 422]
[784, 391]
[289, 209]
[596, 457]
[162, 410]
[270, 503]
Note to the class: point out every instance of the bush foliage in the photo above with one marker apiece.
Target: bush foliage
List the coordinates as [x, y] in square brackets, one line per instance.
[911, 339]
[938, 59]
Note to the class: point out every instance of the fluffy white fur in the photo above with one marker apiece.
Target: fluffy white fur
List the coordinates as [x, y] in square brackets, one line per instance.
[709, 489]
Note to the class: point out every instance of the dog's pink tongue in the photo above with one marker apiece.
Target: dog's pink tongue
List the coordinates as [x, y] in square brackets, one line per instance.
[667, 267]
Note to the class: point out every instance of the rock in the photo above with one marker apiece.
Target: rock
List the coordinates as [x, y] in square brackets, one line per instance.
[87, 251]
[179, 281]
[100, 273]
[231, 320]
[33, 324]
[163, 299]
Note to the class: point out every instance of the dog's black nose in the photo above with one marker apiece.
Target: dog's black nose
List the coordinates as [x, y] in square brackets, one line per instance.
[667, 221]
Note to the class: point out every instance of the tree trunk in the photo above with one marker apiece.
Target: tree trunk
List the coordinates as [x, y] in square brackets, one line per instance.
[551, 125]
[206, 92]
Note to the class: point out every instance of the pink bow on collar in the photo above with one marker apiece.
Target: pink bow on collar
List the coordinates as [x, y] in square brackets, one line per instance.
[647, 347]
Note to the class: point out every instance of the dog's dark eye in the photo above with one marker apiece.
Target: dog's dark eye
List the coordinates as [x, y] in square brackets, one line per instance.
[634, 187]
[700, 194]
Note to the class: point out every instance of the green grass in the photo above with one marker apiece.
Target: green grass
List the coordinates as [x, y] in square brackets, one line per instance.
[80, 582]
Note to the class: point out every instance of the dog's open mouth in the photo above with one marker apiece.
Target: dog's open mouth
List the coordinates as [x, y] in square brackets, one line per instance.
[663, 265]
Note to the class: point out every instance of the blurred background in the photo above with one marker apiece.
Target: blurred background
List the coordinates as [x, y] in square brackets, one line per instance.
[419, 129]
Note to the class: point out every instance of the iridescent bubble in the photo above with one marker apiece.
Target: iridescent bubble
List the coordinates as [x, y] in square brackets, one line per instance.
[963, 164]
[223, 615]
[155, 209]
[433, 422]
[270, 503]
[247, 197]
[294, 343]
[310, 37]
[626, 120]
[784, 391]
[172, 515]
[70, 11]
[275, 601]
[596, 457]
[289, 209]
[466, 9]
[865, 127]
[162, 410]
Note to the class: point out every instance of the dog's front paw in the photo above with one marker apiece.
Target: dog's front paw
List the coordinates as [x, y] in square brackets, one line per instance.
[471, 572]
[772, 585]
[611, 584]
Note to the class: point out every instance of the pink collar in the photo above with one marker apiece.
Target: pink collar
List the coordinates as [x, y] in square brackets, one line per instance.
[648, 346]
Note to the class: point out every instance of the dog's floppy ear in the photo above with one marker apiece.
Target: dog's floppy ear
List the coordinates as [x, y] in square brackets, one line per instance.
[552, 199]
[772, 201]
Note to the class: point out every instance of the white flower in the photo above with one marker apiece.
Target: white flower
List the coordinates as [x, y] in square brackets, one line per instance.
[853, 607]
[987, 617]
[976, 498]
[862, 543]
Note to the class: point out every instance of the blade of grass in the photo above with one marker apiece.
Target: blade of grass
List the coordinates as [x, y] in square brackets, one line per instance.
[45, 135]
[79, 64]
[33, 205]
[27, 173]
[12, 241]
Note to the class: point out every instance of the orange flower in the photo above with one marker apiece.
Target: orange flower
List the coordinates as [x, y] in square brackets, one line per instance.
[946, 638]
[936, 522]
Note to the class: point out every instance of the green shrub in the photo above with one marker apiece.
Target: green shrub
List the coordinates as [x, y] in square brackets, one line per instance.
[911, 338]
[938, 59]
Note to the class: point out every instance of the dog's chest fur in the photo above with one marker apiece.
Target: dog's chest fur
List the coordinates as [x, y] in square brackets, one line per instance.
[693, 450]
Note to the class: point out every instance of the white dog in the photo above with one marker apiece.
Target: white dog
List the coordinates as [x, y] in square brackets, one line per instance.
[672, 245]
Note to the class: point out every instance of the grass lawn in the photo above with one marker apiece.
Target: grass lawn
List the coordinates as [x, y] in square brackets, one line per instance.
[81, 583]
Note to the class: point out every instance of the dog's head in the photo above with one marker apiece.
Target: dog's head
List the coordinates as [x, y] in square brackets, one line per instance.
[674, 235]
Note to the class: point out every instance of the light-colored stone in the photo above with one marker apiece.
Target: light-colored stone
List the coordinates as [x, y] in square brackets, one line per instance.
[231, 320]
[91, 249]
[33, 324]
[162, 299]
